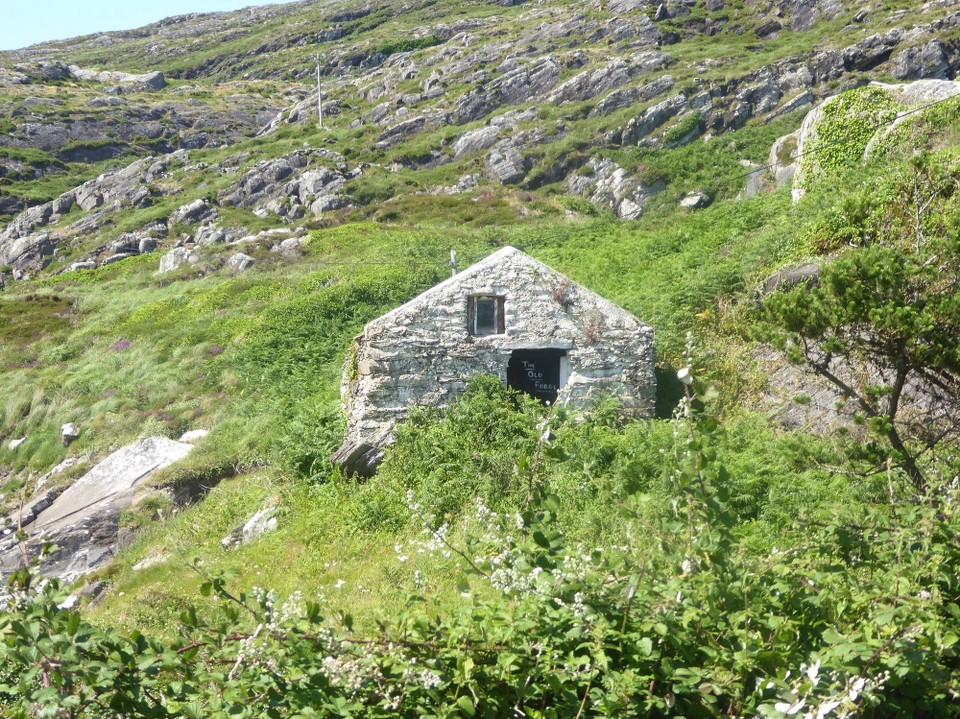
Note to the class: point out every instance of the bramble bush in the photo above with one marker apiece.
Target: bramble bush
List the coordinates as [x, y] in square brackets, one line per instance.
[856, 614]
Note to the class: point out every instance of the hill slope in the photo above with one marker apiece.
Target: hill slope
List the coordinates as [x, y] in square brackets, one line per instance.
[192, 252]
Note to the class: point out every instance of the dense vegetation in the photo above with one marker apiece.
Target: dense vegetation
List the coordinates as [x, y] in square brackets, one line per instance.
[686, 567]
[853, 612]
[509, 559]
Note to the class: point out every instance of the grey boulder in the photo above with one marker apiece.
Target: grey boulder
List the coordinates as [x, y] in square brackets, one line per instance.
[470, 143]
[176, 258]
[926, 61]
[505, 164]
[83, 521]
[239, 262]
[190, 214]
[695, 201]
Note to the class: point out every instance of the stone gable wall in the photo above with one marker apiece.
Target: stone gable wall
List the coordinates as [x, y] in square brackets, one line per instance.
[423, 355]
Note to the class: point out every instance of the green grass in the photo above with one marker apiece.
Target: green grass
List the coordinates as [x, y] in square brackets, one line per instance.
[475, 452]
[257, 358]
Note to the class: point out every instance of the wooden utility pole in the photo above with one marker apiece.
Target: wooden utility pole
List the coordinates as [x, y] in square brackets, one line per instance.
[453, 261]
[319, 97]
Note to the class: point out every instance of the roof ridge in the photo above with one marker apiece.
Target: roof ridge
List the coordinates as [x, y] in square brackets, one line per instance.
[493, 258]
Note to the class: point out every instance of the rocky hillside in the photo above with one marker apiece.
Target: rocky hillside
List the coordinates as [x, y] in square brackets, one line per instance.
[185, 254]
[111, 140]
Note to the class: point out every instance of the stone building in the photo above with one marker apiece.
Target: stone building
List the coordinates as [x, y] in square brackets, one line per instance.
[508, 316]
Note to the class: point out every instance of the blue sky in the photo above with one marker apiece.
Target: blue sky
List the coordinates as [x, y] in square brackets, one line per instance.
[27, 22]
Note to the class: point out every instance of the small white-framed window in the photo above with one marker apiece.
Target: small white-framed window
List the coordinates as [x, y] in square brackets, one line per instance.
[485, 315]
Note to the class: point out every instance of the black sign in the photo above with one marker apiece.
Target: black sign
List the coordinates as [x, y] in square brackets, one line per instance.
[536, 373]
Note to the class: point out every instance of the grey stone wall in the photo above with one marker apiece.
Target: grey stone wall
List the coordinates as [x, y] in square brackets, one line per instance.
[421, 354]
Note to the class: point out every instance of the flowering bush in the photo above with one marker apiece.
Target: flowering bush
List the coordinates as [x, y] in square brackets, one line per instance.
[857, 614]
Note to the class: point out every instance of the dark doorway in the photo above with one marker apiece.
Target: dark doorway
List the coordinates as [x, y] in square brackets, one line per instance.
[538, 373]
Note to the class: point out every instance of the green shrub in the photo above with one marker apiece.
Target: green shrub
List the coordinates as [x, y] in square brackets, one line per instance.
[410, 44]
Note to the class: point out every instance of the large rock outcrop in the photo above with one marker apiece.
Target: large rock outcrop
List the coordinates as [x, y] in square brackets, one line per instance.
[146, 81]
[29, 241]
[610, 187]
[288, 187]
[83, 521]
[801, 163]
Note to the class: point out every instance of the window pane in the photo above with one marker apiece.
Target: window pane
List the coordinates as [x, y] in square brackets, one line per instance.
[486, 309]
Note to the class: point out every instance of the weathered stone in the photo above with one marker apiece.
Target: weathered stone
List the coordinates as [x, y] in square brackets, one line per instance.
[869, 53]
[768, 28]
[210, 234]
[69, 433]
[142, 198]
[14, 443]
[289, 185]
[464, 184]
[402, 130]
[62, 204]
[291, 247]
[609, 186]
[239, 262]
[10, 205]
[470, 143]
[591, 83]
[790, 278]
[82, 266]
[921, 92]
[926, 61]
[112, 259]
[627, 96]
[648, 61]
[695, 201]
[424, 352]
[93, 591]
[83, 521]
[176, 258]
[32, 509]
[621, 7]
[31, 219]
[826, 66]
[27, 253]
[197, 211]
[798, 102]
[359, 457]
[89, 196]
[328, 203]
[263, 522]
[517, 84]
[804, 14]
[194, 435]
[783, 159]
[151, 561]
[913, 94]
[315, 183]
[148, 81]
[127, 242]
[653, 118]
[762, 96]
[505, 164]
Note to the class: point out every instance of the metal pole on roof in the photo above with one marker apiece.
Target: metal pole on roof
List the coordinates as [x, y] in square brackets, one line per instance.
[453, 261]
